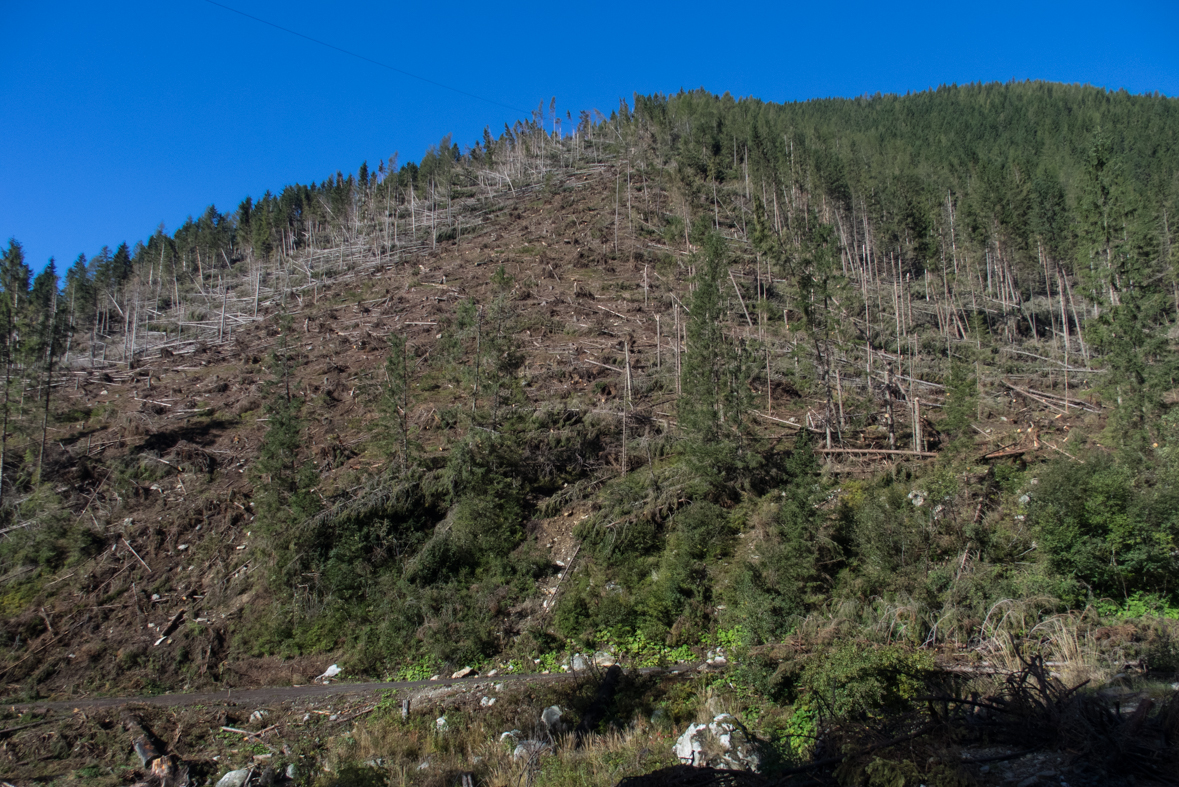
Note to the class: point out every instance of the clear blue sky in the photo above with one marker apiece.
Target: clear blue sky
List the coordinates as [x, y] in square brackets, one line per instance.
[118, 116]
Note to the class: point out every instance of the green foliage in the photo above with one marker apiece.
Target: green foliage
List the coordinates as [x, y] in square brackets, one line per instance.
[393, 425]
[355, 776]
[856, 680]
[1140, 605]
[42, 532]
[421, 669]
[769, 594]
[1113, 526]
[961, 405]
[715, 395]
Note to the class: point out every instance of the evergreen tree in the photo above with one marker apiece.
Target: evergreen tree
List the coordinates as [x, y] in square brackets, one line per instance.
[286, 482]
[14, 290]
[46, 338]
[715, 393]
[393, 424]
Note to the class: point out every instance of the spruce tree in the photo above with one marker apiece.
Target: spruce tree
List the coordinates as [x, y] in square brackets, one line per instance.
[47, 332]
[286, 497]
[14, 290]
[715, 393]
[393, 424]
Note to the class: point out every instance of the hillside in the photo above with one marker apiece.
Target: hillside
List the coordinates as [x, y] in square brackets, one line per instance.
[892, 375]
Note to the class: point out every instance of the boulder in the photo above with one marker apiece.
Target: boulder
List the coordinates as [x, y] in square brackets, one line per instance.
[721, 743]
[465, 672]
[551, 719]
[234, 778]
[604, 658]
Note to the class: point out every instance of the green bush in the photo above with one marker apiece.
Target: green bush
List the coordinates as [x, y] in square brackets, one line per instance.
[1114, 525]
[858, 680]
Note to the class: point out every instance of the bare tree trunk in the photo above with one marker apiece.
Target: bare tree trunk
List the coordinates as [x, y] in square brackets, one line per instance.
[50, 355]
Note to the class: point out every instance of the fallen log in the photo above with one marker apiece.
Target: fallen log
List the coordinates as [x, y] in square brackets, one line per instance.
[886, 451]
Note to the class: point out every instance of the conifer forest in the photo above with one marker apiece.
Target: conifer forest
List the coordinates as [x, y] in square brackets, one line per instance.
[853, 419]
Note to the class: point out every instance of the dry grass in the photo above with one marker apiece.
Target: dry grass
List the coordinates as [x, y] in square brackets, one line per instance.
[428, 757]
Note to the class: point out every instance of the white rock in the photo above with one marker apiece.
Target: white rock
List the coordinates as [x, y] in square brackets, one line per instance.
[234, 778]
[510, 735]
[721, 743]
[441, 724]
[258, 716]
[487, 702]
[465, 672]
[580, 663]
[330, 672]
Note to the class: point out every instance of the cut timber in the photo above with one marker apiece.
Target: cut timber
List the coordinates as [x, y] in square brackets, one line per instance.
[888, 451]
[172, 624]
[1001, 453]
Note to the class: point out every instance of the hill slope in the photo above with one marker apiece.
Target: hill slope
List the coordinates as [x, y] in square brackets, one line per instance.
[599, 393]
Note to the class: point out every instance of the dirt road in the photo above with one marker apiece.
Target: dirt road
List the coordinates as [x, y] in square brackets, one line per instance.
[273, 694]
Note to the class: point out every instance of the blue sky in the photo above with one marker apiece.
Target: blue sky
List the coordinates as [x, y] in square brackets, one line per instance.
[118, 116]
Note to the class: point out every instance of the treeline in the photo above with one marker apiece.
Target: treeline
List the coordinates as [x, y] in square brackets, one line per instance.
[1029, 211]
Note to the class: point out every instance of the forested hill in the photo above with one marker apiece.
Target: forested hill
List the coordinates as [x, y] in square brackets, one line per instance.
[861, 369]
[1027, 167]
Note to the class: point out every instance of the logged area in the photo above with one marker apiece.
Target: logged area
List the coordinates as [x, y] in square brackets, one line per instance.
[854, 416]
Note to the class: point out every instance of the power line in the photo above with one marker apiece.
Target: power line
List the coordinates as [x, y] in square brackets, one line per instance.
[367, 59]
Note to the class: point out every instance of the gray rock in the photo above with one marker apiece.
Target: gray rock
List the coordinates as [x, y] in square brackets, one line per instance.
[465, 672]
[604, 658]
[551, 719]
[512, 736]
[234, 778]
[527, 749]
[441, 724]
[580, 663]
[292, 772]
[721, 743]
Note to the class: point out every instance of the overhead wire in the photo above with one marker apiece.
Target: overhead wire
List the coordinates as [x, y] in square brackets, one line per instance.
[367, 59]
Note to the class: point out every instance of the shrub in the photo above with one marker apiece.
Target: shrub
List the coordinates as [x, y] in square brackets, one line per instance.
[857, 680]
